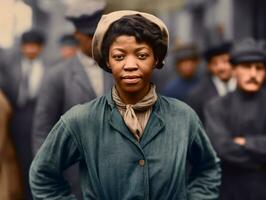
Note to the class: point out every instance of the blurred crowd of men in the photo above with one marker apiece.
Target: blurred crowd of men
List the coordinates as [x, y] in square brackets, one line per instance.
[228, 96]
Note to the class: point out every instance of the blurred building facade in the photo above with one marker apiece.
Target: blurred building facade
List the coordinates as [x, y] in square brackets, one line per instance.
[188, 21]
[202, 20]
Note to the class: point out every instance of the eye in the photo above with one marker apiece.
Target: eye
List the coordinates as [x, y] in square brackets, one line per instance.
[118, 57]
[260, 67]
[142, 56]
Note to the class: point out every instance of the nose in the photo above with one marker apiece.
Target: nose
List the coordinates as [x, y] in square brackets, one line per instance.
[222, 65]
[131, 63]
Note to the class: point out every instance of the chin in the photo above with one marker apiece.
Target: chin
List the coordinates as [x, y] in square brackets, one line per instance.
[132, 89]
[251, 89]
[225, 79]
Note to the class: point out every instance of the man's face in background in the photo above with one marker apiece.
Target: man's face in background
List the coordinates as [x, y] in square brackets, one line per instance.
[250, 76]
[31, 50]
[220, 67]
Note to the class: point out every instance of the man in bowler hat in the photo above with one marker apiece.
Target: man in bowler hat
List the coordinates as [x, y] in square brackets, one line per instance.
[74, 81]
[217, 82]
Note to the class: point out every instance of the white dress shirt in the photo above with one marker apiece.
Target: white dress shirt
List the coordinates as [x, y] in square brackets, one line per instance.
[224, 87]
[32, 73]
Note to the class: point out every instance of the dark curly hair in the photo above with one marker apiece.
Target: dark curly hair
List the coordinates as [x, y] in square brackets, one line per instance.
[142, 29]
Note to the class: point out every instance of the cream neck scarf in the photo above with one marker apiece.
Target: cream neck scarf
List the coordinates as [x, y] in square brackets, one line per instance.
[136, 116]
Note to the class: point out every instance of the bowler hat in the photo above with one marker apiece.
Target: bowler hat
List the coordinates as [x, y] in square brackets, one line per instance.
[85, 16]
[33, 36]
[220, 48]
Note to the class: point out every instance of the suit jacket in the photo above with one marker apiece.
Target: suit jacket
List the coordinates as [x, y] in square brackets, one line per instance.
[201, 94]
[64, 86]
[21, 121]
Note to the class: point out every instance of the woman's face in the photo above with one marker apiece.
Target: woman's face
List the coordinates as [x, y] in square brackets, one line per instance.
[132, 64]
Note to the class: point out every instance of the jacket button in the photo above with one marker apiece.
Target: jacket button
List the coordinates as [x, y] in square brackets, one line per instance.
[142, 162]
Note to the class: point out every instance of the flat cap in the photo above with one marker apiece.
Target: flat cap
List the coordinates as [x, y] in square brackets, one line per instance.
[247, 50]
[105, 23]
[33, 36]
[85, 15]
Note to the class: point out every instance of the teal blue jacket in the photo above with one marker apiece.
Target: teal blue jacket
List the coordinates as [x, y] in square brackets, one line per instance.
[174, 159]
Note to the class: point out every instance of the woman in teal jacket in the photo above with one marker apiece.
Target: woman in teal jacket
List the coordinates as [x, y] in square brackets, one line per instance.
[131, 143]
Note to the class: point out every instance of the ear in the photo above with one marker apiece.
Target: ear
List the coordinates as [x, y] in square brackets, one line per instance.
[155, 64]
[108, 65]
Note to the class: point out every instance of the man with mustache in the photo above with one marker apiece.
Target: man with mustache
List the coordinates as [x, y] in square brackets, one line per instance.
[236, 126]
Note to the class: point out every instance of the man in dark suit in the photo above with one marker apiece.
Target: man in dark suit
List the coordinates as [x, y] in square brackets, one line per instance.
[236, 126]
[217, 82]
[74, 81]
[21, 78]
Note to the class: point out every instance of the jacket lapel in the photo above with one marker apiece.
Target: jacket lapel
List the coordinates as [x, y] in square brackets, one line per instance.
[212, 89]
[16, 76]
[81, 78]
[154, 126]
[117, 123]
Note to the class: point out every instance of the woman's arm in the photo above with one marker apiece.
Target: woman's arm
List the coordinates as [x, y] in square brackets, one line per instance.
[205, 175]
[58, 152]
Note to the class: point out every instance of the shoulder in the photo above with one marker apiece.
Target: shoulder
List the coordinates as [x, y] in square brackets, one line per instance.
[181, 116]
[170, 86]
[87, 112]
[62, 65]
[219, 104]
[60, 70]
[201, 86]
[175, 107]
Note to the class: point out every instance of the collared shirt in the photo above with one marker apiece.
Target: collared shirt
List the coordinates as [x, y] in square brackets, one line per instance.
[34, 71]
[224, 87]
[94, 73]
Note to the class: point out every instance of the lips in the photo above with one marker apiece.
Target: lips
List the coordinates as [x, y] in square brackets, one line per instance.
[131, 79]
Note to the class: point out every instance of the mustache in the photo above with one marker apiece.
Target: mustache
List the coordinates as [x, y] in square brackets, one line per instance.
[253, 80]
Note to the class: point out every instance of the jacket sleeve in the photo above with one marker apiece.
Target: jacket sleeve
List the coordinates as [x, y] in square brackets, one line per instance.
[222, 141]
[58, 152]
[205, 175]
[256, 145]
[48, 109]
